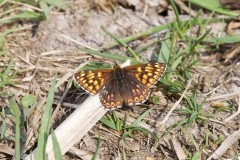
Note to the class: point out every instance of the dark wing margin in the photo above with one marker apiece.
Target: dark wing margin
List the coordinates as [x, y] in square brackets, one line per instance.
[93, 81]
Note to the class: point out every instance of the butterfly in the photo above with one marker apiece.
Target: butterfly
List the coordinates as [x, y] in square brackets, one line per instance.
[121, 86]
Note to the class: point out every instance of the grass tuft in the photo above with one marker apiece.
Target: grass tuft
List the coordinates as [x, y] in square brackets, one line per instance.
[18, 121]
[45, 124]
[193, 110]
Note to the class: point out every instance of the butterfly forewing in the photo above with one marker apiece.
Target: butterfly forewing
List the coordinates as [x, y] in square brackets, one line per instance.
[147, 74]
[93, 81]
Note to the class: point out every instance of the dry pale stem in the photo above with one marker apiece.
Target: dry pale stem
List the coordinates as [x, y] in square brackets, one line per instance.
[176, 104]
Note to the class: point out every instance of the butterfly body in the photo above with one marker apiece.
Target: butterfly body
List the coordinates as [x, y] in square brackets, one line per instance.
[118, 81]
[121, 86]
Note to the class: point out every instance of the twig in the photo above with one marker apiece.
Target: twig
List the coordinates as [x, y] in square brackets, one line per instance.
[226, 96]
[182, 5]
[28, 7]
[232, 138]
[73, 40]
[25, 79]
[69, 105]
[80, 153]
[213, 90]
[178, 148]
[216, 121]
[176, 104]
[60, 102]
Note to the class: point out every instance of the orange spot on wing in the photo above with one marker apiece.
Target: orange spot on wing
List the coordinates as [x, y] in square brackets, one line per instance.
[144, 81]
[145, 76]
[90, 88]
[150, 74]
[130, 100]
[136, 99]
[97, 87]
[95, 82]
[151, 80]
[141, 97]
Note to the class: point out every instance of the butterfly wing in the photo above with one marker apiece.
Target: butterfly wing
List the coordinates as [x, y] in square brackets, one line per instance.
[147, 74]
[110, 95]
[138, 79]
[135, 91]
[93, 81]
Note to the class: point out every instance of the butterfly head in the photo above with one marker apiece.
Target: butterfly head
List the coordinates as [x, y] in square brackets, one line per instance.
[116, 66]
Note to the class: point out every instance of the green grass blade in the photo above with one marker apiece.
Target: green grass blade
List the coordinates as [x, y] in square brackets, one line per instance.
[147, 46]
[124, 155]
[44, 129]
[122, 43]
[190, 136]
[176, 63]
[4, 77]
[24, 15]
[45, 8]
[32, 3]
[97, 149]
[108, 123]
[56, 147]
[160, 28]
[57, 3]
[112, 121]
[215, 6]
[9, 31]
[3, 132]
[176, 12]
[196, 156]
[200, 39]
[95, 65]
[139, 35]
[9, 67]
[14, 107]
[165, 51]
[28, 100]
[223, 40]
[17, 113]
[140, 118]
[143, 130]
[183, 122]
[118, 122]
[116, 57]
[193, 116]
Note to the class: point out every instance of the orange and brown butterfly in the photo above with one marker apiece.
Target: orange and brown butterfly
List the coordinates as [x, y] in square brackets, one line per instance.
[121, 86]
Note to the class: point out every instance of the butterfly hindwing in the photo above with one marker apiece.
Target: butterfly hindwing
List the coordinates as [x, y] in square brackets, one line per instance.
[110, 96]
[135, 92]
[93, 80]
